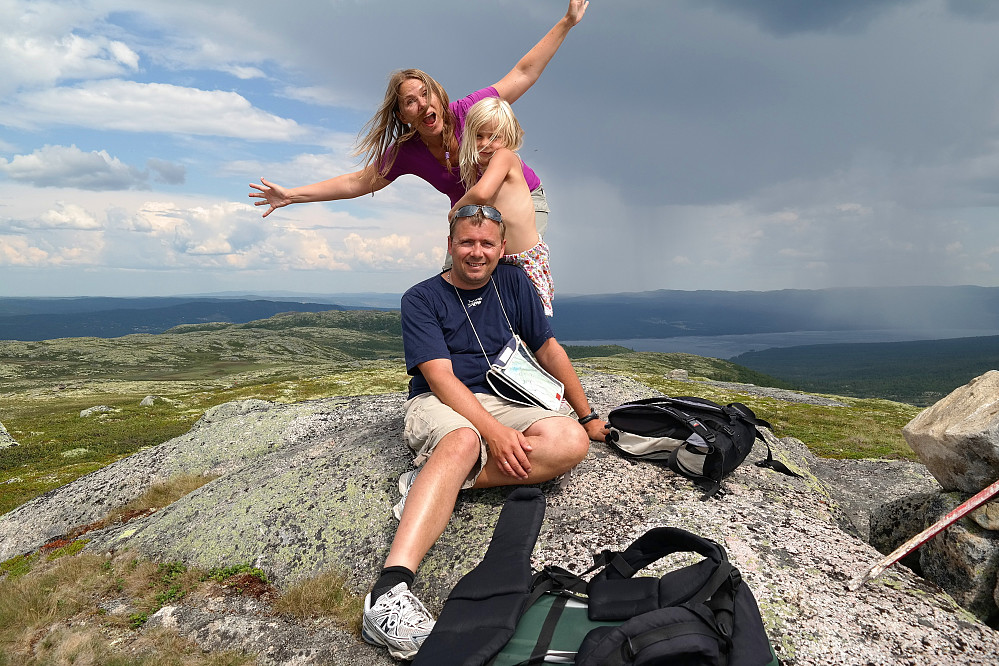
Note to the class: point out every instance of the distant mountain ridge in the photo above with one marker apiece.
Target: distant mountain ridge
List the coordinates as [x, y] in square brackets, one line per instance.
[666, 313]
[112, 318]
[651, 314]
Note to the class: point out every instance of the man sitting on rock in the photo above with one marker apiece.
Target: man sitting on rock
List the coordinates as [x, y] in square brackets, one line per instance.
[464, 435]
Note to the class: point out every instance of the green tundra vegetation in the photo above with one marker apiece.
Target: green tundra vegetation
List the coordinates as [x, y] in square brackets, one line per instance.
[44, 386]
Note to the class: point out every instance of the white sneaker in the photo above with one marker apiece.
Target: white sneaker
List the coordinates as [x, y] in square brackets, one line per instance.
[405, 483]
[398, 621]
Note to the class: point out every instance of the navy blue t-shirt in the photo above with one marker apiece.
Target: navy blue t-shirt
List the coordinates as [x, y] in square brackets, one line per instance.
[434, 325]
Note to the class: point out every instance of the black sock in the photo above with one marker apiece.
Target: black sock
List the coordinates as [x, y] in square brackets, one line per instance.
[389, 578]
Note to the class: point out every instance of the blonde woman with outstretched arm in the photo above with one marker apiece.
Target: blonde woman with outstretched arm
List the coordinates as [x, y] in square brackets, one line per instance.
[417, 131]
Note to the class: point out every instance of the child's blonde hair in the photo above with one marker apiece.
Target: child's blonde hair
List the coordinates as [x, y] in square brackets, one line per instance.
[482, 113]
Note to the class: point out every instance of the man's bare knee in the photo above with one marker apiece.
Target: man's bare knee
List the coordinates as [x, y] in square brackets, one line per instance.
[576, 443]
[462, 443]
[568, 440]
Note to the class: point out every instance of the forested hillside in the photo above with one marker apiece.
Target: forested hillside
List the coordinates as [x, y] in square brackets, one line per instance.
[919, 372]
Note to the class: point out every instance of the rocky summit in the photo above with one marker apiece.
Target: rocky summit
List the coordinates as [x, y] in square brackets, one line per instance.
[309, 487]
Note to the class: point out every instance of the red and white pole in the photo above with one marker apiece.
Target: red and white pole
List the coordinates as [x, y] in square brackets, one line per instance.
[924, 536]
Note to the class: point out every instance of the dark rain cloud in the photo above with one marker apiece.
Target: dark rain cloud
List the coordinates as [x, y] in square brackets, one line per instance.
[787, 17]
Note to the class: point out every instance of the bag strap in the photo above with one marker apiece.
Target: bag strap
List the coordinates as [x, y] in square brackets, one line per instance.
[563, 585]
[770, 462]
[744, 413]
[556, 581]
[775, 464]
[652, 546]
[540, 650]
[496, 588]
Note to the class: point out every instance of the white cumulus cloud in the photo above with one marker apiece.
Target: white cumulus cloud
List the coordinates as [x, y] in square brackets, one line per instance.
[68, 166]
[131, 106]
[33, 60]
[68, 216]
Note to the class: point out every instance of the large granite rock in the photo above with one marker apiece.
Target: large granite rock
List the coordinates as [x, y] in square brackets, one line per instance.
[309, 487]
[963, 559]
[958, 437]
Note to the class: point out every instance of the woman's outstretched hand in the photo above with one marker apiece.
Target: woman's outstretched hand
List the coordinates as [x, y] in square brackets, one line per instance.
[273, 195]
[576, 10]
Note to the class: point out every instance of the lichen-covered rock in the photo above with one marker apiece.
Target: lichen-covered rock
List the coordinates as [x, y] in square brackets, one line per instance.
[963, 559]
[987, 516]
[226, 438]
[958, 437]
[860, 485]
[5, 438]
[96, 409]
[309, 487]
[220, 622]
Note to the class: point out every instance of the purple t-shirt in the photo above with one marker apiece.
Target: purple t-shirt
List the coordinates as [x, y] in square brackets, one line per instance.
[434, 325]
[415, 158]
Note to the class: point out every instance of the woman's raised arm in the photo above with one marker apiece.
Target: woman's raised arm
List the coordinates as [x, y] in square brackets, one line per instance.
[526, 72]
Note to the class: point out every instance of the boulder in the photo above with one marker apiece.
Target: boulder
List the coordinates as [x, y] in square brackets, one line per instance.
[860, 486]
[97, 409]
[678, 375]
[963, 559]
[987, 515]
[309, 487]
[149, 401]
[5, 438]
[958, 437]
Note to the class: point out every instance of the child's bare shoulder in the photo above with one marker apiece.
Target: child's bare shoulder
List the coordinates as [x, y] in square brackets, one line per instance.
[506, 156]
[509, 160]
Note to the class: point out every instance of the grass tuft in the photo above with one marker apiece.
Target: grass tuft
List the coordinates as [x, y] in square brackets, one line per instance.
[324, 595]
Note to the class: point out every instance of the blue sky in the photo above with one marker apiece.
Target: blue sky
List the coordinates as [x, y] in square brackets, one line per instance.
[692, 144]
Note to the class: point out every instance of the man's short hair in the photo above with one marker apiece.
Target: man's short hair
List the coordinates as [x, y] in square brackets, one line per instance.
[476, 220]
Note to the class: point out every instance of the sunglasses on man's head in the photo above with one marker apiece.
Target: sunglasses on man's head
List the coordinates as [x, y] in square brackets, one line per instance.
[487, 211]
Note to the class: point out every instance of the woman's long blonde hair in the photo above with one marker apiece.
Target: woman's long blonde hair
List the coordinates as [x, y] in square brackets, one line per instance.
[385, 128]
[483, 112]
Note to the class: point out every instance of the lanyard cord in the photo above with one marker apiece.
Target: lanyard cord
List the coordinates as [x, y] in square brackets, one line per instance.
[469, 317]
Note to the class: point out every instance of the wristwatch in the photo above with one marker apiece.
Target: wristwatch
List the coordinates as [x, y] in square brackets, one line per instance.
[589, 417]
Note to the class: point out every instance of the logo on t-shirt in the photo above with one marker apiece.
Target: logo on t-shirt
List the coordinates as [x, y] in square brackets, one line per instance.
[472, 302]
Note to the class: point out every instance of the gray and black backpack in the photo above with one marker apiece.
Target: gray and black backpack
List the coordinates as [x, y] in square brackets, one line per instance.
[695, 437]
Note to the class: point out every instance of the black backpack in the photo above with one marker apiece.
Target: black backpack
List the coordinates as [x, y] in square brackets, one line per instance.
[702, 614]
[698, 438]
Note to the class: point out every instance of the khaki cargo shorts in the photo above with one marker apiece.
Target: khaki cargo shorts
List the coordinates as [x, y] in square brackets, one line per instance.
[428, 421]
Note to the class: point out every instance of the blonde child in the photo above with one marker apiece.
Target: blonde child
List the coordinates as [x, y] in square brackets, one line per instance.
[493, 175]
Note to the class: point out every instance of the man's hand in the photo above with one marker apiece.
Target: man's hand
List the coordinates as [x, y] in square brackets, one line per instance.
[508, 449]
[596, 430]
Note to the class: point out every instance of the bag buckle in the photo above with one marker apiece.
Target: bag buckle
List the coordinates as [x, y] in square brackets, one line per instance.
[629, 648]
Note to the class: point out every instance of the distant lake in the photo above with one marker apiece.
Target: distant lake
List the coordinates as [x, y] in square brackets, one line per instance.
[727, 346]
